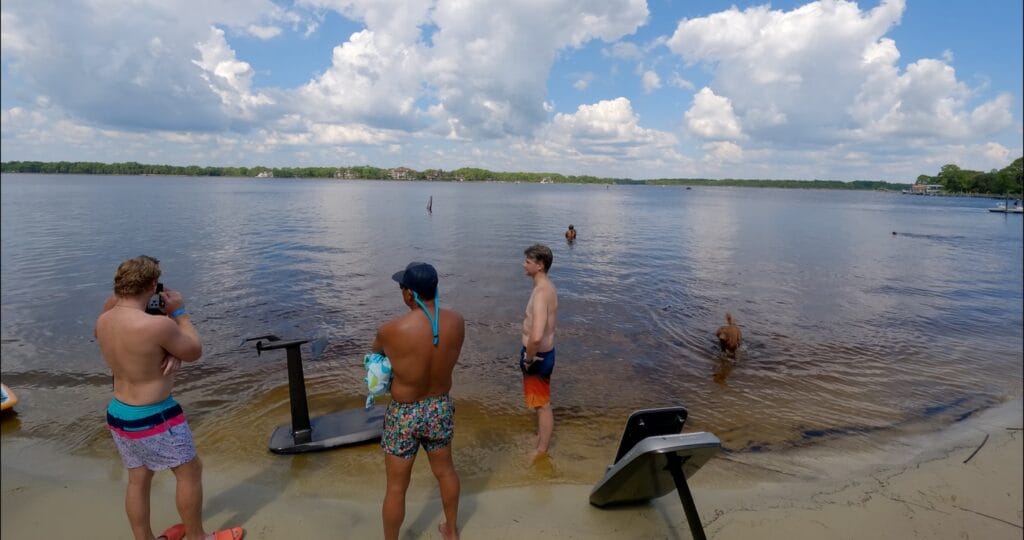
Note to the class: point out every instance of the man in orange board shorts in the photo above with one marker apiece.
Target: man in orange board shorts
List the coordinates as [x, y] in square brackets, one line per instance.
[537, 356]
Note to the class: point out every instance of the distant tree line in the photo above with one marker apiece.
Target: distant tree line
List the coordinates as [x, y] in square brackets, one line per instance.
[366, 172]
[133, 168]
[469, 174]
[789, 184]
[953, 179]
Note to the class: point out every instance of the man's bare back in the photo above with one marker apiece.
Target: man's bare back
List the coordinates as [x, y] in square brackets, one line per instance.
[137, 346]
[126, 340]
[419, 369]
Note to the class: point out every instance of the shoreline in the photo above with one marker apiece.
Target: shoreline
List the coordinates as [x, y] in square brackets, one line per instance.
[918, 487]
[812, 184]
[897, 188]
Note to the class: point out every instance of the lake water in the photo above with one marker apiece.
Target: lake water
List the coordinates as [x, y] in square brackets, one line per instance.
[849, 331]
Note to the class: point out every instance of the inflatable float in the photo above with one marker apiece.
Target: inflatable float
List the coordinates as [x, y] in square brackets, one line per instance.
[7, 398]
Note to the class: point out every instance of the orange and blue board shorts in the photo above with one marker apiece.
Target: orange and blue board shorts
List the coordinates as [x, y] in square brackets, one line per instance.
[537, 378]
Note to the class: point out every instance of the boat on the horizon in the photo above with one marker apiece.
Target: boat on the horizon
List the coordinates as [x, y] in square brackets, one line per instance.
[1003, 209]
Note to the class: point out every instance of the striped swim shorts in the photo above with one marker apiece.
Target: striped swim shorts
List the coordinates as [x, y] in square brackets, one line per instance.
[155, 436]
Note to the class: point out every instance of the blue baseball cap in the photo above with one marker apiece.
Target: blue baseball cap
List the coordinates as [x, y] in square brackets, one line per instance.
[418, 277]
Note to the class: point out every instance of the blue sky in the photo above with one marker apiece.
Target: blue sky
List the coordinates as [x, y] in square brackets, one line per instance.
[624, 88]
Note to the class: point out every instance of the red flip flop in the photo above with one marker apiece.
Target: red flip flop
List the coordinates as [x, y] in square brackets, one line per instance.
[174, 532]
[234, 533]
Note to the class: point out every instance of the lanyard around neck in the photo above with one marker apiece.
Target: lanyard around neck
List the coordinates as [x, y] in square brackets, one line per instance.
[437, 312]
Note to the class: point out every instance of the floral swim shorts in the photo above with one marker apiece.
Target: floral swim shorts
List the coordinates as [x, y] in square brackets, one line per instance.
[429, 421]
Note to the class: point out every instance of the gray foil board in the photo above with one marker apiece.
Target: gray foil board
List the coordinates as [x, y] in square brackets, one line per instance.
[642, 474]
[342, 428]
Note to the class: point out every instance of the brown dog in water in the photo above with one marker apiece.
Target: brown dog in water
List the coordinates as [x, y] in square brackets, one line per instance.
[729, 336]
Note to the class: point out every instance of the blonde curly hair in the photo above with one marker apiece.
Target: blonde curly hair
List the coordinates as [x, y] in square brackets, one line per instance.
[136, 275]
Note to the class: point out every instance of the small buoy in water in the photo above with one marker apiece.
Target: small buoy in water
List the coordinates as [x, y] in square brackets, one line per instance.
[894, 233]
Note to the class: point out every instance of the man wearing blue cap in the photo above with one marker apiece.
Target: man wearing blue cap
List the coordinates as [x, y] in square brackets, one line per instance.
[423, 346]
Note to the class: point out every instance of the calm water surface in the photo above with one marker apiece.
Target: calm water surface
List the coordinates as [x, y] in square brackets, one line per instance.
[849, 330]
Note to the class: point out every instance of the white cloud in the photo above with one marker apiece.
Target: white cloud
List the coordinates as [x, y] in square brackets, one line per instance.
[823, 73]
[263, 32]
[319, 134]
[993, 115]
[131, 65]
[997, 152]
[473, 77]
[14, 36]
[650, 81]
[398, 20]
[226, 76]
[924, 102]
[483, 72]
[41, 133]
[680, 82]
[624, 50]
[722, 151]
[583, 81]
[816, 90]
[374, 80]
[604, 133]
[712, 117]
[477, 67]
[17, 120]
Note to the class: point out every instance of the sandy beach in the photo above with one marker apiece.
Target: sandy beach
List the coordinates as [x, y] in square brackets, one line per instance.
[920, 487]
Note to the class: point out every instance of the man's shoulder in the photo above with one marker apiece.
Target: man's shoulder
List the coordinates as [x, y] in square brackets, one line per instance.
[398, 323]
[543, 295]
[549, 294]
[140, 325]
[135, 319]
[391, 324]
[454, 315]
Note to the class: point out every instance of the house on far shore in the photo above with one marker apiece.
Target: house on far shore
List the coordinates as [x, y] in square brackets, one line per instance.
[401, 173]
[265, 174]
[926, 189]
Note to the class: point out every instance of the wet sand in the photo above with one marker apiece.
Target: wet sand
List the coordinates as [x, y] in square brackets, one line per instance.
[918, 487]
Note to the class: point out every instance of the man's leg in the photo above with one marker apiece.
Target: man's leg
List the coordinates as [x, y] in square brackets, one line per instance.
[537, 390]
[448, 480]
[189, 497]
[398, 471]
[545, 425]
[136, 502]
